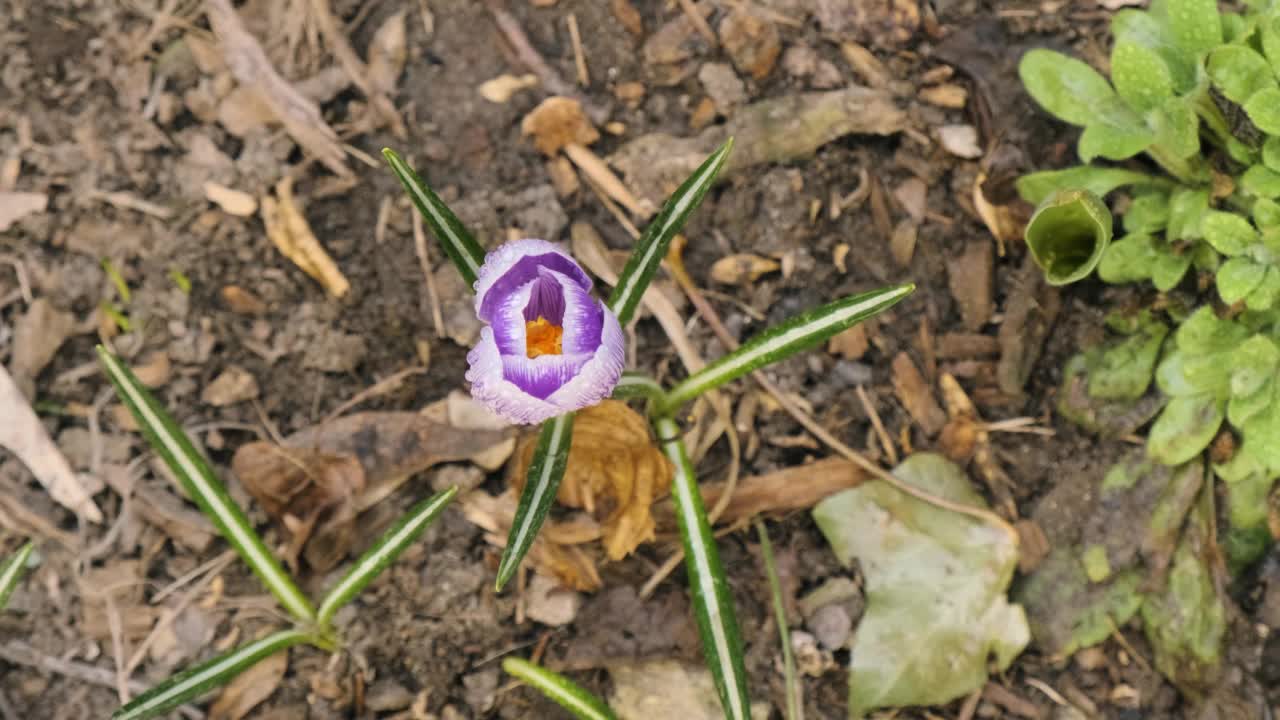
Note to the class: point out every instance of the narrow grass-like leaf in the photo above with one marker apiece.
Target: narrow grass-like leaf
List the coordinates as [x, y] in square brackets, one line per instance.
[638, 384]
[712, 601]
[458, 244]
[795, 709]
[191, 684]
[11, 572]
[172, 444]
[653, 242]
[566, 693]
[550, 456]
[798, 333]
[383, 553]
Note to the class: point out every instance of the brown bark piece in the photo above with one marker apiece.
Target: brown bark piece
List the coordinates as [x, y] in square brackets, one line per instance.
[916, 396]
[970, 282]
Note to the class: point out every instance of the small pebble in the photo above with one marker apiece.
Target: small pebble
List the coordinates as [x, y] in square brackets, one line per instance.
[831, 625]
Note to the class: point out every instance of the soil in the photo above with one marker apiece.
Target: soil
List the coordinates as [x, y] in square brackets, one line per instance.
[80, 73]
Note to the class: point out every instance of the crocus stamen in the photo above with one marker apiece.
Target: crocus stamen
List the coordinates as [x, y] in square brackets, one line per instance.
[542, 338]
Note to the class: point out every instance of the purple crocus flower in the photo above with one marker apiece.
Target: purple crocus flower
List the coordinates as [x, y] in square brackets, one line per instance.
[547, 347]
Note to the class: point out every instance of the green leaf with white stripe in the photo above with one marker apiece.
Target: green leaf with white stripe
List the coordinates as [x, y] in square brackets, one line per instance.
[383, 553]
[11, 572]
[172, 444]
[458, 244]
[191, 684]
[653, 242]
[799, 333]
[708, 586]
[550, 457]
[563, 691]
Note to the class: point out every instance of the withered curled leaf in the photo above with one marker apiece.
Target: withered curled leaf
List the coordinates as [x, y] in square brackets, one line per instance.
[615, 473]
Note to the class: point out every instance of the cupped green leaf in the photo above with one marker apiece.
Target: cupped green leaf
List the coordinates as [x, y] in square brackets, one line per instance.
[1169, 268]
[1068, 235]
[709, 587]
[11, 572]
[1144, 29]
[191, 684]
[1261, 181]
[550, 458]
[1140, 75]
[1227, 232]
[1263, 109]
[458, 244]
[1237, 277]
[1100, 181]
[651, 248]
[1067, 88]
[784, 340]
[171, 443]
[560, 689]
[382, 553]
[1204, 332]
[1196, 25]
[1239, 72]
[1185, 428]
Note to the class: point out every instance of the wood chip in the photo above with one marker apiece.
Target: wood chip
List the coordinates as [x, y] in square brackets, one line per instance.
[969, 277]
[233, 385]
[291, 234]
[557, 122]
[865, 64]
[850, 344]
[630, 18]
[952, 346]
[902, 242]
[500, 89]
[947, 96]
[232, 202]
[916, 395]
[960, 140]
[250, 688]
[16, 205]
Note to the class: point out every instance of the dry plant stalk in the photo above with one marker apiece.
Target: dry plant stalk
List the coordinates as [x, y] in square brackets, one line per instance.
[291, 234]
[249, 65]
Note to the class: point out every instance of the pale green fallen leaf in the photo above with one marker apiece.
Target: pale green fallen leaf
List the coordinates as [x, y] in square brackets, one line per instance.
[668, 689]
[935, 583]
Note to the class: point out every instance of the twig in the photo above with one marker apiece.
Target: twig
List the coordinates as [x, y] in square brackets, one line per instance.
[885, 441]
[1048, 690]
[20, 653]
[579, 57]
[532, 59]
[420, 246]
[171, 614]
[355, 67]
[384, 385]
[249, 65]
[117, 647]
[699, 22]
[130, 202]
[20, 269]
[596, 169]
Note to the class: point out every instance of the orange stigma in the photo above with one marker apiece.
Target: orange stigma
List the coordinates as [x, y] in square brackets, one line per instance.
[542, 338]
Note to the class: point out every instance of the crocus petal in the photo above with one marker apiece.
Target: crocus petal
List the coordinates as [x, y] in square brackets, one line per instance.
[490, 387]
[513, 264]
[597, 378]
[519, 283]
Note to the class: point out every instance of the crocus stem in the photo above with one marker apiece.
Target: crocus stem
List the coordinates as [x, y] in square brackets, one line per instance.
[636, 384]
[712, 601]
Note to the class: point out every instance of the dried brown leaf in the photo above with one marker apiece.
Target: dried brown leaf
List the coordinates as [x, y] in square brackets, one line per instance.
[556, 122]
[291, 234]
[742, 268]
[387, 54]
[614, 473]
